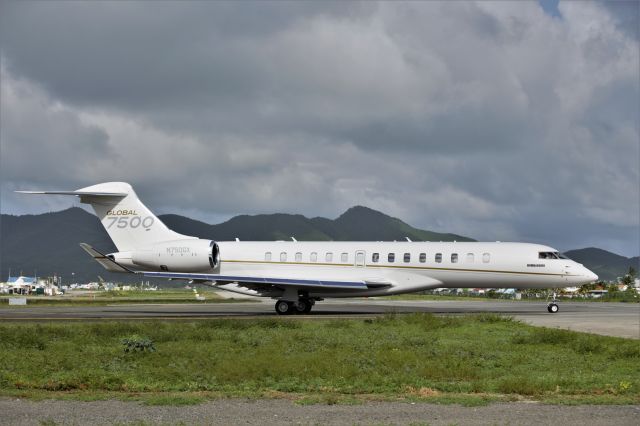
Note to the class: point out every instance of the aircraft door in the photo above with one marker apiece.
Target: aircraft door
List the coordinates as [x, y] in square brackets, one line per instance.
[566, 271]
[360, 258]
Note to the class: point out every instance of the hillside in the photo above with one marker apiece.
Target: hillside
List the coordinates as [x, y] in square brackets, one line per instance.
[48, 243]
[607, 265]
[356, 224]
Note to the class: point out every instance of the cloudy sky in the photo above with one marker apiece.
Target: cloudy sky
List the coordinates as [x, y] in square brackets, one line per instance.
[511, 121]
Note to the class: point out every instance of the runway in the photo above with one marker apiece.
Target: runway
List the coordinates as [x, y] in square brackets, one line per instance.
[612, 319]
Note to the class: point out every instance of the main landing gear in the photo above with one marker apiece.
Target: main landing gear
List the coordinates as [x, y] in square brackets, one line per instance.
[302, 306]
[552, 306]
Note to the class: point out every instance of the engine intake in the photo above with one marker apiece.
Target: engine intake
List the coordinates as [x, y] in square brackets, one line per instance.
[214, 255]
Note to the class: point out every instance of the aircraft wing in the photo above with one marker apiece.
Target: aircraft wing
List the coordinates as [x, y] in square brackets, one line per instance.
[245, 280]
[226, 279]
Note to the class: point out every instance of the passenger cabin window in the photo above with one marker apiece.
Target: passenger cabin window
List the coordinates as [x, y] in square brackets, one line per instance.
[470, 258]
[344, 258]
[454, 257]
[375, 257]
[391, 257]
[328, 257]
[283, 257]
[298, 257]
[438, 257]
[407, 257]
[486, 257]
[267, 256]
[423, 257]
[313, 257]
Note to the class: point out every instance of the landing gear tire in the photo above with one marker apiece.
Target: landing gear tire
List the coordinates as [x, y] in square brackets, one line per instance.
[284, 308]
[552, 308]
[303, 306]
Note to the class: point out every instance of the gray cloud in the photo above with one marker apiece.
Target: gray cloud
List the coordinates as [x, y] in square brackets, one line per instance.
[626, 14]
[489, 119]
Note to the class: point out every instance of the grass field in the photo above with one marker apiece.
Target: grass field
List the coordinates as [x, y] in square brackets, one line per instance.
[470, 360]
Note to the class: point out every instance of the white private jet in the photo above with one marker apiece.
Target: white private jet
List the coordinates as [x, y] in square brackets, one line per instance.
[298, 274]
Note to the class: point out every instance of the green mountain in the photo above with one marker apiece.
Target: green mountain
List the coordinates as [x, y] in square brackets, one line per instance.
[47, 244]
[607, 265]
[356, 224]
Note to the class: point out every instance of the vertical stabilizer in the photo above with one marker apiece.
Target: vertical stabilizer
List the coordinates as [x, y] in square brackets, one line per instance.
[129, 223]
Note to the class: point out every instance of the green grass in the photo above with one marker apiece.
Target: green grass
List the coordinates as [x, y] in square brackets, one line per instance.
[469, 360]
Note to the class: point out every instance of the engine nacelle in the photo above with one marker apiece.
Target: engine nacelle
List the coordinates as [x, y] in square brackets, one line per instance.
[179, 256]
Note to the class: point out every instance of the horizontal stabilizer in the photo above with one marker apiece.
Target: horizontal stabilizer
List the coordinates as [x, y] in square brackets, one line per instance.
[78, 193]
[108, 263]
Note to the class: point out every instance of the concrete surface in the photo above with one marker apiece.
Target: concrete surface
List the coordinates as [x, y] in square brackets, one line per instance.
[612, 319]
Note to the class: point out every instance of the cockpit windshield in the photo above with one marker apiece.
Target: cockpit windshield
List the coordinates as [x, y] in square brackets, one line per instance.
[547, 255]
[551, 255]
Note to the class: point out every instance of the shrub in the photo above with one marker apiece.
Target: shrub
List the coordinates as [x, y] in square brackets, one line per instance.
[522, 386]
[545, 335]
[493, 318]
[136, 343]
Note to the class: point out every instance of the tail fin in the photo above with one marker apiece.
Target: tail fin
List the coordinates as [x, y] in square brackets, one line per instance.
[129, 223]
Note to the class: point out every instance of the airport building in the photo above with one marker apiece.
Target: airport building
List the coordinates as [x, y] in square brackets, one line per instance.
[22, 285]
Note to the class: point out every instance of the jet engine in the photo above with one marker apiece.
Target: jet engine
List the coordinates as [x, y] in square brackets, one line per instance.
[193, 255]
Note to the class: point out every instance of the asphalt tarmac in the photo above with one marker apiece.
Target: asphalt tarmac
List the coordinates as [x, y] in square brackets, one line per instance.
[612, 319]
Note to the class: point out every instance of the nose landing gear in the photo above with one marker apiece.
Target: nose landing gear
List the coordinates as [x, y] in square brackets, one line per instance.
[552, 306]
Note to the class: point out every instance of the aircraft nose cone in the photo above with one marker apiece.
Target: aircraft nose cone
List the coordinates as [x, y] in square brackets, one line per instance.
[591, 276]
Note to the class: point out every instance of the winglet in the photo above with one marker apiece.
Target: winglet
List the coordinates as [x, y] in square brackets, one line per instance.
[104, 260]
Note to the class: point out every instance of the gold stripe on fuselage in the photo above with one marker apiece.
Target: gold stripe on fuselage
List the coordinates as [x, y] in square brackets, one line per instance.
[424, 268]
